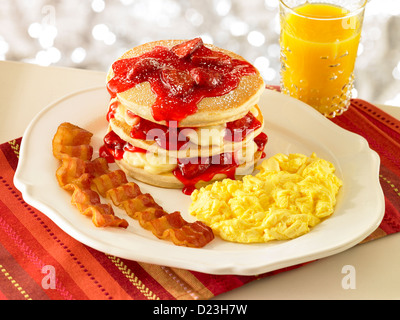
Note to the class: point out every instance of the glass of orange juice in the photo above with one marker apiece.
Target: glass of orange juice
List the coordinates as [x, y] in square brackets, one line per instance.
[319, 42]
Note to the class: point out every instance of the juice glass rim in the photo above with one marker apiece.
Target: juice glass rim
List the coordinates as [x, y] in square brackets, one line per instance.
[350, 14]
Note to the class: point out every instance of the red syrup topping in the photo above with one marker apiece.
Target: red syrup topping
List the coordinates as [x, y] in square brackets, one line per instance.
[114, 147]
[167, 137]
[188, 171]
[261, 140]
[191, 171]
[237, 130]
[180, 77]
[172, 138]
[111, 110]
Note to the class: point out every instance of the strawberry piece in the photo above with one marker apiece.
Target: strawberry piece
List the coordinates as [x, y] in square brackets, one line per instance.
[205, 77]
[179, 82]
[186, 48]
[214, 58]
[143, 68]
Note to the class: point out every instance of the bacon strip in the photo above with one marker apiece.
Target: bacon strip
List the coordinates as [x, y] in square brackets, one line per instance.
[72, 171]
[97, 167]
[84, 198]
[80, 172]
[138, 204]
[89, 179]
[88, 203]
[103, 216]
[73, 141]
[163, 225]
[194, 234]
[124, 192]
[108, 181]
[71, 145]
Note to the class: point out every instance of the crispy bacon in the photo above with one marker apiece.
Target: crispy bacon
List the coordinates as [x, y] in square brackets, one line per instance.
[97, 167]
[72, 171]
[80, 172]
[181, 232]
[151, 216]
[103, 216]
[195, 234]
[71, 145]
[110, 180]
[165, 225]
[69, 134]
[88, 203]
[138, 204]
[124, 192]
[83, 152]
[147, 216]
[72, 141]
[162, 226]
[84, 198]
[89, 179]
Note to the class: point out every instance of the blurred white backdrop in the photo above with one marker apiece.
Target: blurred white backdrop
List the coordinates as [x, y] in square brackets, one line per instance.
[90, 34]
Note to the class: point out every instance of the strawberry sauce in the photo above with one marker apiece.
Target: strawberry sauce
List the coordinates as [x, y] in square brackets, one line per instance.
[238, 130]
[114, 147]
[188, 171]
[180, 77]
[167, 137]
[191, 171]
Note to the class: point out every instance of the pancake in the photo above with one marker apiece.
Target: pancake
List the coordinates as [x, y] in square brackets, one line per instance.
[210, 110]
[120, 126]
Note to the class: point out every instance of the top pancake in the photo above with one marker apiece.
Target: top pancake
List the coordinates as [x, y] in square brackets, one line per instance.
[210, 110]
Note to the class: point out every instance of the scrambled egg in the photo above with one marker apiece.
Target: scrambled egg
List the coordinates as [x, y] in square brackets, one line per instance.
[291, 194]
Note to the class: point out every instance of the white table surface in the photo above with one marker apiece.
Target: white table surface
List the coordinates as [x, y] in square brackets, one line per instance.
[26, 89]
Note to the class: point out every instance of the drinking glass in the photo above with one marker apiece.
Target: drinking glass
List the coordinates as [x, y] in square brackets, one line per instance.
[319, 42]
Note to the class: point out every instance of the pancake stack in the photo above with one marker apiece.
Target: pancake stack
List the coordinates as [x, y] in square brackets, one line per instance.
[183, 114]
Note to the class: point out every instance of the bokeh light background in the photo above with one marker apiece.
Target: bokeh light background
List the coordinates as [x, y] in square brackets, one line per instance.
[90, 34]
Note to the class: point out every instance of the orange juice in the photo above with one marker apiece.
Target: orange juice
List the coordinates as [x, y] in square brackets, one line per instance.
[319, 45]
